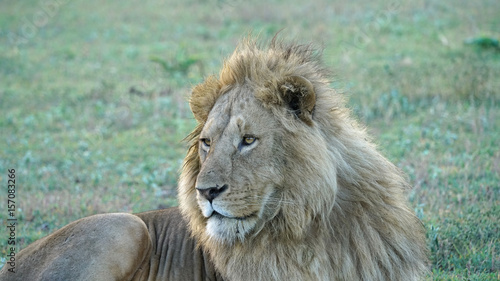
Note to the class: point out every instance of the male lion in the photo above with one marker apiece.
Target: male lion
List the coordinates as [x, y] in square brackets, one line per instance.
[279, 183]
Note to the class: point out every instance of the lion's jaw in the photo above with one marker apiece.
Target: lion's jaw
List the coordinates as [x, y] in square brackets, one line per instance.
[235, 202]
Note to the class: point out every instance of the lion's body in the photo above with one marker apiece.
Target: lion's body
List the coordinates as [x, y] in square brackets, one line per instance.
[150, 246]
[279, 183]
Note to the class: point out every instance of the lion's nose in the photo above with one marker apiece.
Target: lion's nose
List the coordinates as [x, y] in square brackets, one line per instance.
[212, 192]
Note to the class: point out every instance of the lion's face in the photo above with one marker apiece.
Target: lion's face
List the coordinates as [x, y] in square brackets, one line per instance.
[237, 186]
[257, 155]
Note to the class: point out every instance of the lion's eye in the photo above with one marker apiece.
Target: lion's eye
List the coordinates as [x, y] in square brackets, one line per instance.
[206, 142]
[248, 140]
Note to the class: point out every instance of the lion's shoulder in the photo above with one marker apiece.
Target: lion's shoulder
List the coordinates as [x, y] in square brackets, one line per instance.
[175, 254]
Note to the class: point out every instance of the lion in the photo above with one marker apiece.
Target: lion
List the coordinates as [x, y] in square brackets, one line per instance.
[279, 183]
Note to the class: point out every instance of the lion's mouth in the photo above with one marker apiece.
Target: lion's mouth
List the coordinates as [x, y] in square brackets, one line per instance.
[218, 215]
[228, 228]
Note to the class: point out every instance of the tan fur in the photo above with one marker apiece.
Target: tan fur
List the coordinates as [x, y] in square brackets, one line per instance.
[99, 247]
[311, 199]
[150, 246]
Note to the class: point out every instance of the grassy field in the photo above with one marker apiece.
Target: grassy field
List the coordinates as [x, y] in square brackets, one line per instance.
[93, 104]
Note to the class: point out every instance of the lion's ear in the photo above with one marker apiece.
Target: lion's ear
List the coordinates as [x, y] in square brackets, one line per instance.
[298, 93]
[203, 98]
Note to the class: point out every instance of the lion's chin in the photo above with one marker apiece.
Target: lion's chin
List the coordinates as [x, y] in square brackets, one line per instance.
[230, 229]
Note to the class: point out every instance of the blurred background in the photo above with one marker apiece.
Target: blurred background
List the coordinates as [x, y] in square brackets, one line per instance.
[93, 101]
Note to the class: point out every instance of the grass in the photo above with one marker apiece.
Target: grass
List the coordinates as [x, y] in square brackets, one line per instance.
[93, 104]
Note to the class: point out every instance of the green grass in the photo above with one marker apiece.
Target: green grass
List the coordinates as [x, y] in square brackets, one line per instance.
[93, 103]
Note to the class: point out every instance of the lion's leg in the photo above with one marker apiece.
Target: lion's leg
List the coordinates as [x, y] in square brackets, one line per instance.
[100, 247]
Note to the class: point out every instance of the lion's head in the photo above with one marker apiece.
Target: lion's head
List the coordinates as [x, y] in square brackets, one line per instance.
[257, 146]
[277, 162]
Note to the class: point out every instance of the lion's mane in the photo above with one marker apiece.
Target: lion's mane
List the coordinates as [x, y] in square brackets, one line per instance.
[344, 215]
